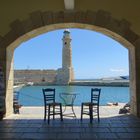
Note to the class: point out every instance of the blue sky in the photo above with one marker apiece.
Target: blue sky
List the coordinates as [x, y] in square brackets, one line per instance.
[94, 55]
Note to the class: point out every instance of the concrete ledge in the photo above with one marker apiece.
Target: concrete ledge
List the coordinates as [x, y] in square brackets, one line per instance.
[122, 83]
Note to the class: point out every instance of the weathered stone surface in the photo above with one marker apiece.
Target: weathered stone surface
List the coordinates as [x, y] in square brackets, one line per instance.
[2, 54]
[1, 38]
[36, 18]
[9, 101]
[137, 42]
[36, 76]
[102, 18]
[2, 81]
[10, 37]
[137, 48]
[137, 72]
[80, 17]
[119, 27]
[66, 73]
[124, 25]
[17, 28]
[69, 16]
[10, 75]
[113, 26]
[3, 77]
[28, 26]
[131, 36]
[47, 18]
[2, 90]
[3, 63]
[2, 107]
[58, 17]
[4, 43]
[138, 60]
[90, 17]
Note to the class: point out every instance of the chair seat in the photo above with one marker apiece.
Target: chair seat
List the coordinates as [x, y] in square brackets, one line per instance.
[54, 104]
[89, 103]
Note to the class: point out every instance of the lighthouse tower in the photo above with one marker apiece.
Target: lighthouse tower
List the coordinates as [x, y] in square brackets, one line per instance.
[66, 74]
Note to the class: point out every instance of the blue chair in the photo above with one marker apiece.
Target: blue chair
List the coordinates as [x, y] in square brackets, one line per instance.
[16, 104]
[50, 106]
[92, 108]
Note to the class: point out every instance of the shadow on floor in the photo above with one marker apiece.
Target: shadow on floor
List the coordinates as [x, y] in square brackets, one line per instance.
[118, 127]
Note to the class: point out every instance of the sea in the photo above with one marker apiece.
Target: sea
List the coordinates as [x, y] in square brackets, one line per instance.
[33, 95]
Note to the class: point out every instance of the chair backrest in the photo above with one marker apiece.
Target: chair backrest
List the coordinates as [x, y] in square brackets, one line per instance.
[16, 95]
[49, 95]
[95, 95]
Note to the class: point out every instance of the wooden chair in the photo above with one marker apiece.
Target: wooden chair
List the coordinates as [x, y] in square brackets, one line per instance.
[16, 105]
[92, 108]
[50, 106]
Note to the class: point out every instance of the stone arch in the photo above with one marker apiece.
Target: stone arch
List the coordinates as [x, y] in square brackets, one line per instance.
[41, 22]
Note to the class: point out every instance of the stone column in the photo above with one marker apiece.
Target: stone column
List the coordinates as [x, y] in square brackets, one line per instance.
[9, 81]
[2, 82]
[137, 76]
[132, 74]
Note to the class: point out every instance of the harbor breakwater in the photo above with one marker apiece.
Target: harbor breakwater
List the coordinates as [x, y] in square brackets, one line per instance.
[115, 83]
[119, 83]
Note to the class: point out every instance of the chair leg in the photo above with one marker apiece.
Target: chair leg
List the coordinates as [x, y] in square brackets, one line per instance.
[48, 114]
[45, 113]
[98, 114]
[53, 112]
[61, 115]
[91, 113]
[81, 112]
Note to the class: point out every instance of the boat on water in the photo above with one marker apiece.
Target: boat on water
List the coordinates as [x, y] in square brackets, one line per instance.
[18, 87]
[30, 84]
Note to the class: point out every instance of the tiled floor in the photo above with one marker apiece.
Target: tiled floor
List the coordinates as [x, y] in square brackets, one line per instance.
[30, 125]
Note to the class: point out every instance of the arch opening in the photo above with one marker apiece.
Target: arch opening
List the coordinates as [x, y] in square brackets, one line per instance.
[96, 74]
[44, 29]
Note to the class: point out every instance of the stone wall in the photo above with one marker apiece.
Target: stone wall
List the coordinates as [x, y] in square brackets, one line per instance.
[2, 88]
[35, 76]
[39, 22]
[64, 76]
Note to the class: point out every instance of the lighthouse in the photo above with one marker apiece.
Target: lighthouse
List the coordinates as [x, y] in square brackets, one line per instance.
[66, 74]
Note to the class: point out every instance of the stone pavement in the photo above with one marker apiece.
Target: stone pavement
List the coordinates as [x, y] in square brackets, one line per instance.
[30, 125]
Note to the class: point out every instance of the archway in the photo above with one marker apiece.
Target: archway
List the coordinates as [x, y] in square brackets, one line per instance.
[39, 23]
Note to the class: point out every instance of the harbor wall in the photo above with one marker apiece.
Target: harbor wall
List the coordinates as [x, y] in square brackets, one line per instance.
[118, 83]
[35, 76]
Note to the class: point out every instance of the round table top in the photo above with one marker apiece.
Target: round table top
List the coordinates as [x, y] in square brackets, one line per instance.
[69, 93]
